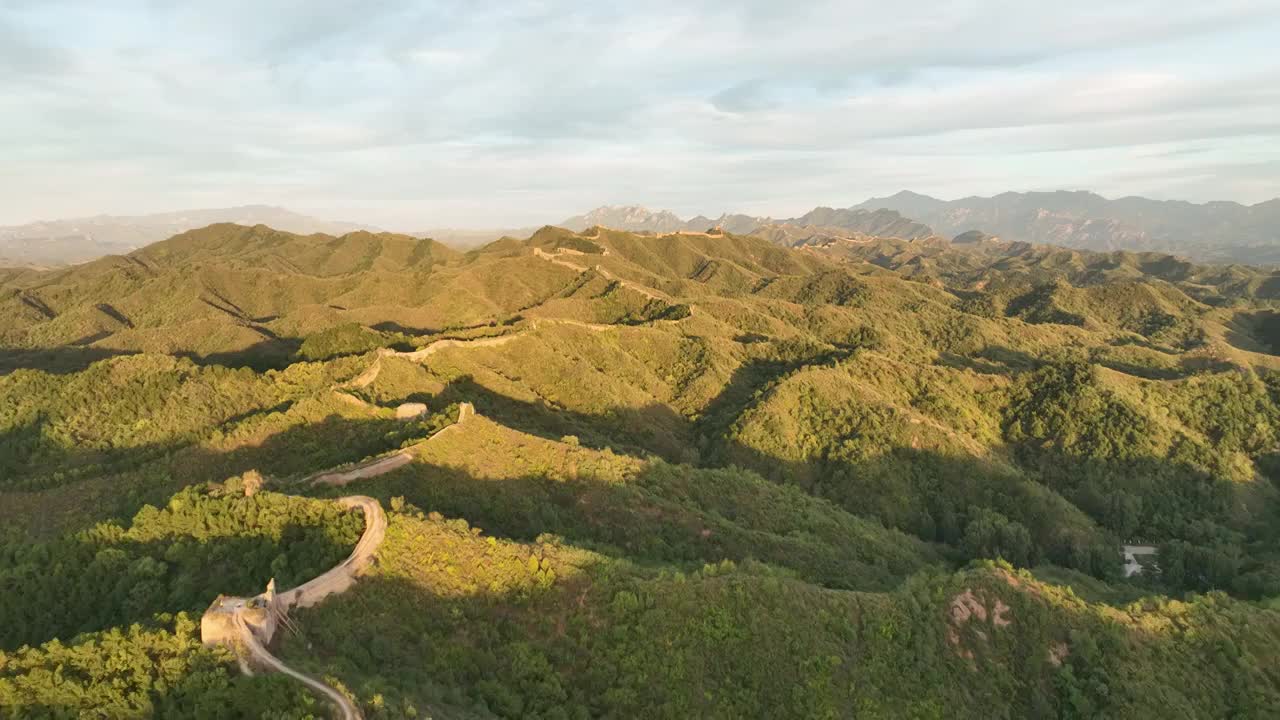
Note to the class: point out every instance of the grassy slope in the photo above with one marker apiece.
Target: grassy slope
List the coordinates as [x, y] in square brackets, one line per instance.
[521, 485]
[887, 426]
[475, 626]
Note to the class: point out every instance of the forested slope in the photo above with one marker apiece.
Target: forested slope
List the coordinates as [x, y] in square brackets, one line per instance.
[716, 476]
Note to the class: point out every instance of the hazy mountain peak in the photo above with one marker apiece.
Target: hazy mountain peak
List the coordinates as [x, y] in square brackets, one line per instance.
[1219, 232]
[909, 195]
[637, 218]
[879, 222]
[76, 240]
[626, 217]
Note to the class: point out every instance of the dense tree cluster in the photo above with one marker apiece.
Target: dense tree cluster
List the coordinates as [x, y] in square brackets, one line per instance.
[1042, 305]
[457, 620]
[135, 672]
[205, 542]
[125, 412]
[344, 339]
[1145, 483]
[854, 453]
[131, 407]
[676, 514]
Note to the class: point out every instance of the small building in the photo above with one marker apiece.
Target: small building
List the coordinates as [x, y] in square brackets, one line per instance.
[261, 614]
[1131, 554]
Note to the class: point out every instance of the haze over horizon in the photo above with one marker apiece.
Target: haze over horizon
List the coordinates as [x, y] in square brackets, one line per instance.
[555, 220]
[418, 116]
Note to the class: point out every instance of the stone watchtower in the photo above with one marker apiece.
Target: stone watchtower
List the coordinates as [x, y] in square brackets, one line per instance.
[218, 624]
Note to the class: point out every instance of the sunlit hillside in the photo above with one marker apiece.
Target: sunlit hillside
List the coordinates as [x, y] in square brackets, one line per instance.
[693, 474]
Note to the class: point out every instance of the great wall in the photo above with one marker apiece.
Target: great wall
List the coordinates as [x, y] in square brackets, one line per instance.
[385, 463]
[248, 625]
[555, 258]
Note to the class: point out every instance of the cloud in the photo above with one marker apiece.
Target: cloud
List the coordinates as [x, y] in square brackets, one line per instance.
[23, 55]
[422, 114]
[744, 97]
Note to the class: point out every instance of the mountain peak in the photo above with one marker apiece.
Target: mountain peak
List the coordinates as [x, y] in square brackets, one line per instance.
[909, 195]
[910, 204]
[879, 222]
[626, 217]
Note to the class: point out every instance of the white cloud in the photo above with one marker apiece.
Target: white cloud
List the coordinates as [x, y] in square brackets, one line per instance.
[416, 114]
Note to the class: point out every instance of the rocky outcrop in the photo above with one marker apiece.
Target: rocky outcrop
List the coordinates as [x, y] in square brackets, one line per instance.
[409, 411]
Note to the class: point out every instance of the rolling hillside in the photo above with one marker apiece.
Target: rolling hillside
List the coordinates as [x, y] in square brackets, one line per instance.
[66, 242]
[709, 474]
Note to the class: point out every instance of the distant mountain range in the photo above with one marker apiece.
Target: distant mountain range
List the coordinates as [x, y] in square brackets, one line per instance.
[1220, 232]
[1216, 232]
[879, 223]
[471, 238]
[628, 217]
[63, 242]
[1210, 232]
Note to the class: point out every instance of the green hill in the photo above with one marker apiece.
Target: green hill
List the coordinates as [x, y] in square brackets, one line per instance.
[457, 625]
[716, 476]
[251, 296]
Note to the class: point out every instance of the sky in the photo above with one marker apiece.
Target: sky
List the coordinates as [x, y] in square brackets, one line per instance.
[413, 115]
